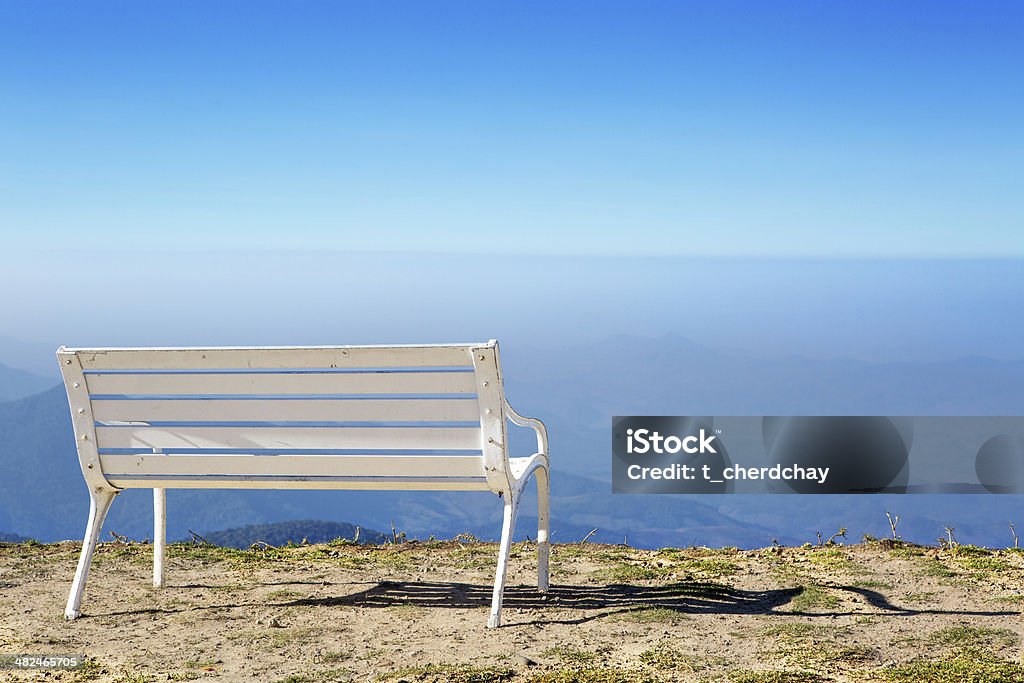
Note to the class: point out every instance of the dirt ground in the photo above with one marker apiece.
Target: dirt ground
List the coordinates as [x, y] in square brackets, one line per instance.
[417, 611]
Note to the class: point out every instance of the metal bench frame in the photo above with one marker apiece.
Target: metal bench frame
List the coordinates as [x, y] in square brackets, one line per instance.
[115, 394]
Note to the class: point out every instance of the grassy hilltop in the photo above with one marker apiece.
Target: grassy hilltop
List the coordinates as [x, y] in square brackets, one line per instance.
[878, 611]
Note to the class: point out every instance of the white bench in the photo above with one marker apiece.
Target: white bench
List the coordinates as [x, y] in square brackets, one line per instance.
[348, 417]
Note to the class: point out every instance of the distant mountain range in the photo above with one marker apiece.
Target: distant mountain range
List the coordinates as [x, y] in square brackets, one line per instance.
[34, 357]
[575, 391]
[300, 531]
[15, 384]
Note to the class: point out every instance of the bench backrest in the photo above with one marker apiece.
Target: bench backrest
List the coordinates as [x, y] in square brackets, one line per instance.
[375, 417]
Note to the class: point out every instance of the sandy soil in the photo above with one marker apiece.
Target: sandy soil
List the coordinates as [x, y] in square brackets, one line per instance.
[416, 612]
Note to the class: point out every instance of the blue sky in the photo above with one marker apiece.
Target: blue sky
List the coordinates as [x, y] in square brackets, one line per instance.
[848, 129]
[243, 172]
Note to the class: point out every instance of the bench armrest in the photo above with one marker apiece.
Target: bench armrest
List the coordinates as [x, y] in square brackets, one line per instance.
[534, 424]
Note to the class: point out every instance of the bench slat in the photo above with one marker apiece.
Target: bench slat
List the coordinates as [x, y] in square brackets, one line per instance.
[269, 410]
[284, 384]
[276, 357]
[437, 438]
[302, 482]
[295, 465]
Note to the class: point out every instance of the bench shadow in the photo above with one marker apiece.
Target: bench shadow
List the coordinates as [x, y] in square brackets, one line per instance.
[588, 602]
[599, 601]
[880, 602]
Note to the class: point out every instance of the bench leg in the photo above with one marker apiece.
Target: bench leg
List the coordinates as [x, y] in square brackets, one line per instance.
[507, 526]
[159, 536]
[99, 505]
[543, 526]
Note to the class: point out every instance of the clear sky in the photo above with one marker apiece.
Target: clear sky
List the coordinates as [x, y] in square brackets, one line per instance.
[728, 128]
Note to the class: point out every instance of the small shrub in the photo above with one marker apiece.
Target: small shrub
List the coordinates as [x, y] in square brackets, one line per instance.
[973, 636]
[666, 657]
[968, 665]
[776, 676]
[813, 597]
[569, 655]
[451, 673]
[593, 676]
[711, 566]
